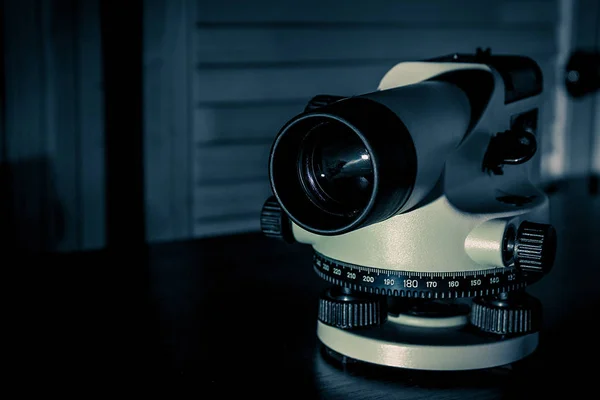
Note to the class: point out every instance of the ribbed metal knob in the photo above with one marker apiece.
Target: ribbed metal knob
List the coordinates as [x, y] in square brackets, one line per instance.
[274, 222]
[517, 313]
[343, 309]
[535, 247]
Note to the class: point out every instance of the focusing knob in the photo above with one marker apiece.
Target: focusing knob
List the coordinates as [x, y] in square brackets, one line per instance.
[341, 308]
[535, 247]
[507, 314]
[274, 222]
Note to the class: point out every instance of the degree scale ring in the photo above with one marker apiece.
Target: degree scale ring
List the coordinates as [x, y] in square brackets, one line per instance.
[427, 285]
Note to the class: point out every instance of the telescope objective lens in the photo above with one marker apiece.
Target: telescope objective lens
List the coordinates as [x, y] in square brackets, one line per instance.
[335, 169]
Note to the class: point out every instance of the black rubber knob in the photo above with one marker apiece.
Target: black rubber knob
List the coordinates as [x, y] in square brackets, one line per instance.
[535, 247]
[341, 308]
[274, 222]
[507, 313]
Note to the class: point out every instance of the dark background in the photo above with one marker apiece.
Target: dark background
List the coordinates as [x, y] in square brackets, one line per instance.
[133, 145]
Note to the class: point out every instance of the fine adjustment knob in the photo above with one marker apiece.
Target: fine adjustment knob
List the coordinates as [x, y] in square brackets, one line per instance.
[274, 222]
[535, 247]
[507, 314]
[341, 308]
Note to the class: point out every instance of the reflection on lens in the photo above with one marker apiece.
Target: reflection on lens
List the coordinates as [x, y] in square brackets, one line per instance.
[336, 169]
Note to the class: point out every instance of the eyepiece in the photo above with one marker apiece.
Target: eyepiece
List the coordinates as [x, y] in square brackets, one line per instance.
[343, 166]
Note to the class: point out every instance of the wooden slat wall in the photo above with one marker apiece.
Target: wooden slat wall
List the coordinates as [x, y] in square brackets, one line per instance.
[596, 114]
[2, 102]
[90, 117]
[253, 65]
[168, 26]
[53, 124]
[572, 146]
[596, 144]
[25, 144]
[581, 131]
[5, 202]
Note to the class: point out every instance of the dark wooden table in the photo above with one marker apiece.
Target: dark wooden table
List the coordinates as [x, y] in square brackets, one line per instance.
[237, 315]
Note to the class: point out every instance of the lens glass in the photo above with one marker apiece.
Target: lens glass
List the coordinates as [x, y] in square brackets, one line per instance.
[336, 169]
